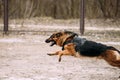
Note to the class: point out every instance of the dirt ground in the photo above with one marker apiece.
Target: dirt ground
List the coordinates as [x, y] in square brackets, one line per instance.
[24, 56]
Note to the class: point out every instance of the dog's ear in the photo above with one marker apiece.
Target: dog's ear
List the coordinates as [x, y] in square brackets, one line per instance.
[71, 33]
[71, 37]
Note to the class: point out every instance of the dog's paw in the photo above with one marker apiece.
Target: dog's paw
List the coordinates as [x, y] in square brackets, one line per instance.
[59, 60]
[49, 54]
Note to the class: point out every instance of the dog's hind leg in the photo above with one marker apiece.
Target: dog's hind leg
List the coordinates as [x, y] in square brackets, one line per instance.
[112, 57]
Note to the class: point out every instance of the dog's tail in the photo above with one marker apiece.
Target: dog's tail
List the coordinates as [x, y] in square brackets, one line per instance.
[112, 56]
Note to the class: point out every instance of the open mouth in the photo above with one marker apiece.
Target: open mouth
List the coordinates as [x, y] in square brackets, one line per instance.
[52, 42]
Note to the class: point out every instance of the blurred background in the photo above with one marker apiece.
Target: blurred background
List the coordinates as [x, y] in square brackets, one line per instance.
[55, 15]
[62, 9]
[23, 51]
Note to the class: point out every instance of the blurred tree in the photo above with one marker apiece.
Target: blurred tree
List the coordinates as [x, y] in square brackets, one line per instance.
[1, 8]
[63, 9]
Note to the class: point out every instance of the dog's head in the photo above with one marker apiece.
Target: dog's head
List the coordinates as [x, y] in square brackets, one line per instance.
[60, 37]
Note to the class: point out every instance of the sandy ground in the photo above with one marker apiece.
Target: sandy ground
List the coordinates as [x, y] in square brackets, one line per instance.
[24, 57]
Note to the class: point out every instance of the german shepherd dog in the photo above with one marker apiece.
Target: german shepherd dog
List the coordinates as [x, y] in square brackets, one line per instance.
[72, 44]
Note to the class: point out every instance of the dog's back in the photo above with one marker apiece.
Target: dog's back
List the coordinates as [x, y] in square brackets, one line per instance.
[91, 48]
[86, 47]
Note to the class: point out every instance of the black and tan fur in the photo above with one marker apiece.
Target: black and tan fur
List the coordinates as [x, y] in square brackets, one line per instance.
[72, 44]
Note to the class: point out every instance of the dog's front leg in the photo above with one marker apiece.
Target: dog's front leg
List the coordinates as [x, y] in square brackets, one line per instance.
[52, 54]
[60, 55]
[64, 52]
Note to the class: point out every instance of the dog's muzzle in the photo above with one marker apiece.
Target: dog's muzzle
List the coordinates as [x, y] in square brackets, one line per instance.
[50, 41]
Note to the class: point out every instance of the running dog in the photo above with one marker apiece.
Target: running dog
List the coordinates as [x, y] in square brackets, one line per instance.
[72, 44]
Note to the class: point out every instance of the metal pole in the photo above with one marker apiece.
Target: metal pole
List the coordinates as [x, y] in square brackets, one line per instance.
[82, 10]
[5, 16]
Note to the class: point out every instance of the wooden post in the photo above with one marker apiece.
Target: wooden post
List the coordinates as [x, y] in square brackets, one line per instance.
[82, 10]
[5, 16]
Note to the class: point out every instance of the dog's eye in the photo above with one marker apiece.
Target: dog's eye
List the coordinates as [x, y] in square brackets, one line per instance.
[58, 35]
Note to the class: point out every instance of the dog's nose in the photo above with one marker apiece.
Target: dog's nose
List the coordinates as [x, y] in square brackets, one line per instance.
[47, 41]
